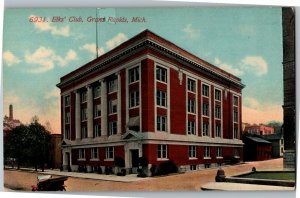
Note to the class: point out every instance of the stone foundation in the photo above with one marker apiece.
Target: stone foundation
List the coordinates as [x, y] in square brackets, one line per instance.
[289, 159]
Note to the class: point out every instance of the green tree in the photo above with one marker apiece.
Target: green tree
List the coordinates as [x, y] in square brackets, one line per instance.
[276, 125]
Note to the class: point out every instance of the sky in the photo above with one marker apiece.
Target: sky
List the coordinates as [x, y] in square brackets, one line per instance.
[246, 42]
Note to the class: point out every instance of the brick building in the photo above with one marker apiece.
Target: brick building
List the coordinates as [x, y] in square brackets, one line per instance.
[259, 129]
[148, 97]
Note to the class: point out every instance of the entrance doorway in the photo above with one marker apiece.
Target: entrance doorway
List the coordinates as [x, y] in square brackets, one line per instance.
[135, 158]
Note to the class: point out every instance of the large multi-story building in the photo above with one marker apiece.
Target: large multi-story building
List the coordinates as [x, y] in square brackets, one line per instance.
[148, 97]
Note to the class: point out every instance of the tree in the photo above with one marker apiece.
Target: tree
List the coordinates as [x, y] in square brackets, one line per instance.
[276, 125]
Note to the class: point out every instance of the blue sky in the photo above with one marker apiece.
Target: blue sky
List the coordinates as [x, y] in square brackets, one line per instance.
[244, 41]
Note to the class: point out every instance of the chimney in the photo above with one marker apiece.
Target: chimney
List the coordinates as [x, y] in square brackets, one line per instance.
[11, 115]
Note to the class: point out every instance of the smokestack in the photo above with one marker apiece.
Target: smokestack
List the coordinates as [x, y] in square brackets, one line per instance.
[11, 115]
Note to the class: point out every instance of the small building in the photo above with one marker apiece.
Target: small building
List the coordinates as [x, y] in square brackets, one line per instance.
[256, 148]
[277, 144]
[259, 129]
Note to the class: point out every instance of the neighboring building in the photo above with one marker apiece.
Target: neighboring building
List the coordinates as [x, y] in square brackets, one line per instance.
[55, 155]
[289, 87]
[277, 144]
[256, 148]
[148, 97]
[259, 129]
[9, 123]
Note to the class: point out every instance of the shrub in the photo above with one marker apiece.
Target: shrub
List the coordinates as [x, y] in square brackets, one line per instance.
[108, 170]
[153, 170]
[119, 162]
[143, 161]
[99, 170]
[164, 168]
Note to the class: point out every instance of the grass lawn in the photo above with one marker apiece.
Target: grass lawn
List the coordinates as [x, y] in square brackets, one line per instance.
[273, 175]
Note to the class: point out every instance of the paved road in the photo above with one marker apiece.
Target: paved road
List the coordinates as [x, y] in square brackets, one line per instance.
[191, 181]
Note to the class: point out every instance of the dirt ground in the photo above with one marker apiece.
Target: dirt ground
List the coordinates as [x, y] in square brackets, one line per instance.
[192, 181]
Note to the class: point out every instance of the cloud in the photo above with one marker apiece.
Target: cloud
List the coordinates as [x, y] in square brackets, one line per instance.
[54, 93]
[228, 67]
[45, 59]
[190, 31]
[115, 41]
[10, 59]
[91, 48]
[48, 26]
[255, 64]
[10, 98]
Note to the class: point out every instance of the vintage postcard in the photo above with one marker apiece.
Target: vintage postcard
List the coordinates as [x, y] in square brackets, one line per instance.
[149, 99]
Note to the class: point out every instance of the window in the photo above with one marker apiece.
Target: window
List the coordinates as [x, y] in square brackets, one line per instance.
[112, 85]
[134, 98]
[83, 132]
[109, 153]
[112, 128]
[191, 128]
[191, 106]
[206, 152]
[218, 130]
[161, 123]
[67, 118]
[161, 97]
[83, 114]
[162, 151]
[83, 96]
[97, 130]
[191, 85]
[94, 153]
[161, 74]
[207, 166]
[112, 106]
[235, 100]
[97, 91]
[218, 112]
[67, 101]
[217, 95]
[219, 152]
[134, 74]
[81, 153]
[192, 167]
[67, 133]
[205, 90]
[205, 109]
[235, 133]
[97, 110]
[192, 151]
[235, 116]
[205, 129]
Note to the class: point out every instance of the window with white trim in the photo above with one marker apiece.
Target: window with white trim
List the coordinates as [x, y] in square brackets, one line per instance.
[205, 90]
[134, 74]
[97, 91]
[112, 128]
[235, 116]
[83, 96]
[161, 123]
[219, 152]
[112, 85]
[94, 153]
[191, 127]
[218, 130]
[205, 129]
[67, 118]
[161, 74]
[83, 114]
[97, 110]
[206, 151]
[217, 95]
[109, 153]
[235, 101]
[161, 98]
[191, 85]
[67, 133]
[134, 98]
[162, 151]
[112, 106]
[97, 130]
[67, 101]
[235, 133]
[83, 132]
[191, 106]
[81, 153]
[218, 112]
[205, 109]
[192, 151]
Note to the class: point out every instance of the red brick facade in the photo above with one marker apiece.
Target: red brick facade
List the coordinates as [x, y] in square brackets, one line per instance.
[157, 101]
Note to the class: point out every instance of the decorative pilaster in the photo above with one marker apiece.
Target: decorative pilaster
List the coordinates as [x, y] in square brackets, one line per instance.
[90, 111]
[77, 115]
[119, 104]
[104, 108]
